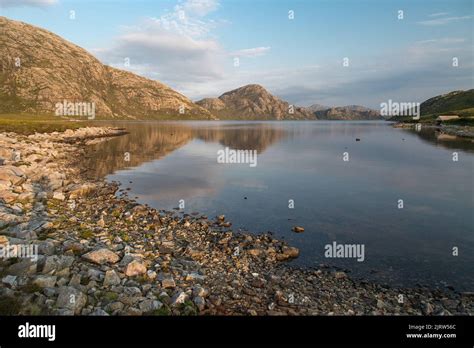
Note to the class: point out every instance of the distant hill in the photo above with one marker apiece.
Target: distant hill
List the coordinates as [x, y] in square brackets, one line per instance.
[349, 112]
[39, 69]
[448, 103]
[253, 102]
[459, 103]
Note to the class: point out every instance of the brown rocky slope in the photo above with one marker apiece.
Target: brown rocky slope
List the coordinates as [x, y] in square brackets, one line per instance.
[39, 69]
[253, 102]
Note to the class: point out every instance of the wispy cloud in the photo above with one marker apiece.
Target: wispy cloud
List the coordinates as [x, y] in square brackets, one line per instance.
[177, 48]
[251, 52]
[444, 20]
[447, 40]
[413, 73]
[25, 3]
[173, 48]
[198, 7]
[169, 54]
[437, 14]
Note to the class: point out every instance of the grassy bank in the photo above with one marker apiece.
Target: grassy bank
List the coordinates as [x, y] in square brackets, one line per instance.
[30, 124]
[466, 118]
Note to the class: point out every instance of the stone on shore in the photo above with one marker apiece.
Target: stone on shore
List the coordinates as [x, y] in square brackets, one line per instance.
[288, 253]
[24, 267]
[178, 298]
[298, 229]
[111, 278]
[168, 282]
[45, 281]
[101, 256]
[135, 268]
[59, 196]
[81, 190]
[9, 280]
[57, 263]
[71, 298]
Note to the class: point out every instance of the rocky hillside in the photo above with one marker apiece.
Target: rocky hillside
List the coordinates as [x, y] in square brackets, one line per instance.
[317, 107]
[448, 103]
[350, 112]
[253, 102]
[39, 69]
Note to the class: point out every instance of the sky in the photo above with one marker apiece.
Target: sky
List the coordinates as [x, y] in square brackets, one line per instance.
[329, 52]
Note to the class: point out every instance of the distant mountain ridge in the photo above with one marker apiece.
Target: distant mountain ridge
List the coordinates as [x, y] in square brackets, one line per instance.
[349, 112]
[39, 69]
[253, 102]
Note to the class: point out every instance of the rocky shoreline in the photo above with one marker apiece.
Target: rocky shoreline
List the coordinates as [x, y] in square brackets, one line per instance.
[455, 130]
[101, 253]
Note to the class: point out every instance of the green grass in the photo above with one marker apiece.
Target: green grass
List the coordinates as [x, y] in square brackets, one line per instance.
[30, 124]
[188, 308]
[461, 122]
[163, 311]
[86, 234]
[462, 113]
[110, 296]
[10, 306]
[448, 103]
[124, 235]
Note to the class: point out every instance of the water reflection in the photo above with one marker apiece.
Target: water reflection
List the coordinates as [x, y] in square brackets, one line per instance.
[149, 141]
[435, 136]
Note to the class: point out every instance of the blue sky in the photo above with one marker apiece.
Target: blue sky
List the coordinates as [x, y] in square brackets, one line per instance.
[192, 45]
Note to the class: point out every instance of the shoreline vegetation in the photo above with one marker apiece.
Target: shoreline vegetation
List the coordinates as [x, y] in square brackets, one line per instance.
[113, 256]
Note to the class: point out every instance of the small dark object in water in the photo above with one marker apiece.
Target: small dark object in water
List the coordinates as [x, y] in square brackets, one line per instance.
[298, 229]
[245, 197]
[357, 139]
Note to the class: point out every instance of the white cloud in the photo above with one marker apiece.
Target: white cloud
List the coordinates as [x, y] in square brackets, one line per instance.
[184, 25]
[447, 40]
[172, 48]
[412, 73]
[251, 52]
[178, 49]
[24, 3]
[166, 52]
[444, 20]
[437, 14]
[198, 7]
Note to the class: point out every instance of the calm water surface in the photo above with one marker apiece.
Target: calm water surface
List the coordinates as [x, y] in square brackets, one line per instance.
[347, 202]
